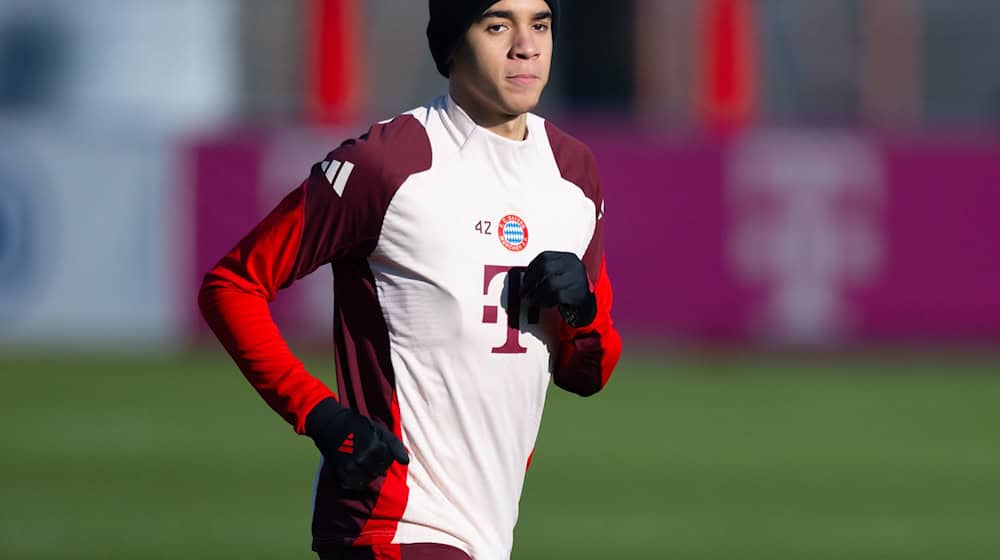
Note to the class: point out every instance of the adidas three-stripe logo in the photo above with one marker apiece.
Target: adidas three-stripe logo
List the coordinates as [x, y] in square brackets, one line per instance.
[347, 446]
[337, 173]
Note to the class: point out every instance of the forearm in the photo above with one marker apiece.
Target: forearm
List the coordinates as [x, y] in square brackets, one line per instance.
[588, 355]
[243, 324]
[587, 361]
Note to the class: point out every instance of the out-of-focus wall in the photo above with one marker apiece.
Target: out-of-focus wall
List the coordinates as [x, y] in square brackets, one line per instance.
[401, 70]
[103, 63]
[95, 98]
[141, 139]
[87, 237]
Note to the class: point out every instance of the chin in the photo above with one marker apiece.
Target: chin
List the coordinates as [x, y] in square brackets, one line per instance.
[519, 103]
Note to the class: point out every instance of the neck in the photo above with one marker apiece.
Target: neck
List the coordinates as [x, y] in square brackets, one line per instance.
[512, 127]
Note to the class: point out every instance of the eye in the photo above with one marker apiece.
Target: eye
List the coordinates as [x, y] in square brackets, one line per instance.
[541, 27]
[496, 27]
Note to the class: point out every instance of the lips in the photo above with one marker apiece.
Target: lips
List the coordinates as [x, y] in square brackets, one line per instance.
[523, 79]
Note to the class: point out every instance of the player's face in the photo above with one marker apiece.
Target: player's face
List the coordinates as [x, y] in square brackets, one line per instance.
[503, 64]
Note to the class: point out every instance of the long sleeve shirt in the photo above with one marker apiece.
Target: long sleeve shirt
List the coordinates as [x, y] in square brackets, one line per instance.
[427, 223]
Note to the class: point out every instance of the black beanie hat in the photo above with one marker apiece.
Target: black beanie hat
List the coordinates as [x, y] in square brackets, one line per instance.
[450, 19]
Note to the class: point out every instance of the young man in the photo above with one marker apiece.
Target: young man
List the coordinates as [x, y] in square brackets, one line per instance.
[465, 240]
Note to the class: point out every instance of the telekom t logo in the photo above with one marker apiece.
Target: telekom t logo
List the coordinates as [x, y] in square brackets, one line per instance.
[512, 344]
[807, 224]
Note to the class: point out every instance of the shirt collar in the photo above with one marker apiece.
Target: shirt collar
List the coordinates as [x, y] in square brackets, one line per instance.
[461, 127]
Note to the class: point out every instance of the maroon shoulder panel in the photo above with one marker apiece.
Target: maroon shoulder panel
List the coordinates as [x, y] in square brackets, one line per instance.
[577, 165]
[347, 194]
[342, 228]
[586, 356]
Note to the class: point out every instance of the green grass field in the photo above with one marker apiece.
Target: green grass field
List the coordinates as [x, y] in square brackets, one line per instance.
[739, 457]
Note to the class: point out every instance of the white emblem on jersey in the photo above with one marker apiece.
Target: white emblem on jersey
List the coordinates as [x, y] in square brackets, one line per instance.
[337, 174]
[600, 214]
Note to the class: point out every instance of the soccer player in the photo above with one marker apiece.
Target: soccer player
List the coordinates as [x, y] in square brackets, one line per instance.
[465, 241]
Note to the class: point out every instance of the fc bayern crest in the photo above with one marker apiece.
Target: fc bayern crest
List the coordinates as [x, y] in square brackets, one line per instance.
[513, 233]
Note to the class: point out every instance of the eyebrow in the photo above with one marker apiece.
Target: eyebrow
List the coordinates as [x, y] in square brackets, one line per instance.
[507, 14]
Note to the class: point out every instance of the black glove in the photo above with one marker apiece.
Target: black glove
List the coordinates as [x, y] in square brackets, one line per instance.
[357, 449]
[560, 279]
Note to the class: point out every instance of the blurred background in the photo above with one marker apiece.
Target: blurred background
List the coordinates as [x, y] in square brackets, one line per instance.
[802, 212]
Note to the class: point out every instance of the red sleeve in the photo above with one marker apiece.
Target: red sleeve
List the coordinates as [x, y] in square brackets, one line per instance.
[588, 355]
[234, 300]
[335, 214]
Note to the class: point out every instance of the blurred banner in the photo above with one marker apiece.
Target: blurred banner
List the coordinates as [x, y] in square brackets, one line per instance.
[93, 101]
[785, 236]
[804, 236]
[87, 234]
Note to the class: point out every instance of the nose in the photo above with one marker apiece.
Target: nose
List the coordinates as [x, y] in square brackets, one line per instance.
[525, 46]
